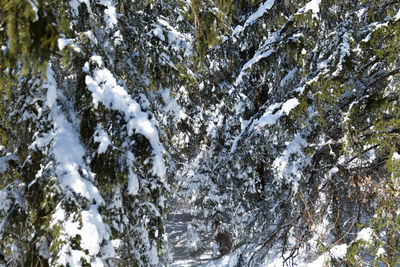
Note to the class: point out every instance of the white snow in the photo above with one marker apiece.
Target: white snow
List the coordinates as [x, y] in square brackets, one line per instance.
[64, 42]
[261, 53]
[74, 4]
[313, 5]
[230, 260]
[381, 251]
[105, 89]
[270, 115]
[333, 171]
[257, 57]
[133, 183]
[66, 148]
[365, 234]
[172, 107]
[256, 15]
[397, 16]
[98, 60]
[93, 230]
[158, 32]
[72, 174]
[110, 14]
[290, 105]
[339, 251]
[285, 166]
[93, 234]
[5, 159]
[288, 77]
[103, 139]
[319, 262]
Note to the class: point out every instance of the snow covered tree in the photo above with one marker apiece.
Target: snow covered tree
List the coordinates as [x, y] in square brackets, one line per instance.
[289, 167]
[85, 119]
[277, 121]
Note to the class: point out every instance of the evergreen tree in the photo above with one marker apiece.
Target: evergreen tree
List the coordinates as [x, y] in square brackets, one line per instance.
[293, 166]
[276, 121]
[86, 115]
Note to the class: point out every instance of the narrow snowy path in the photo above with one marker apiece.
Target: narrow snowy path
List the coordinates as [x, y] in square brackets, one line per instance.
[177, 232]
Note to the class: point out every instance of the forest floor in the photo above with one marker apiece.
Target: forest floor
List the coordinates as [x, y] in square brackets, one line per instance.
[177, 232]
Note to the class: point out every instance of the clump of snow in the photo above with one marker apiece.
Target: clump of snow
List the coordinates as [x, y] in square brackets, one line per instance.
[381, 251]
[103, 139]
[333, 171]
[93, 230]
[256, 15]
[339, 251]
[396, 156]
[93, 235]
[257, 57]
[64, 42]
[66, 148]
[172, 107]
[86, 67]
[262, 52]
[270, 115]
[4, 160]
[397, 16]
[34, 5]
[133, 183]
[286, 167]
[319, 262]
[98, 60]
[290, 105]
[74, 175]
[105, 89]
[289, 77]
[365, 234]
[313, 5]
[74, 4]
[110, 14]
[158, 32]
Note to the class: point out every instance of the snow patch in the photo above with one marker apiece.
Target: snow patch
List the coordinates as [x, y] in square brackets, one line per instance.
[66, 148]
[158, 32]
[105, 89]
[64, 42]
[110, 14]
[256, 15]
[381, 251]
[313, 5]
[339, 251]
[397, 16]
[73, 175]
[365, 234]
[333, 171]
[290, 105]
[261, 53]
[257, 57]
[285, 166]
[103, 139]
[288, 78]
[270, 115]
[133, 183]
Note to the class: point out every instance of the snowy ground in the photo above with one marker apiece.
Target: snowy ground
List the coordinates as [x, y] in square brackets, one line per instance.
[177, 228]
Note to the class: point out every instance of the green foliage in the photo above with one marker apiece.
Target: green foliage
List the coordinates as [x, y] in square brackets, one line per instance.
[27, 37]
